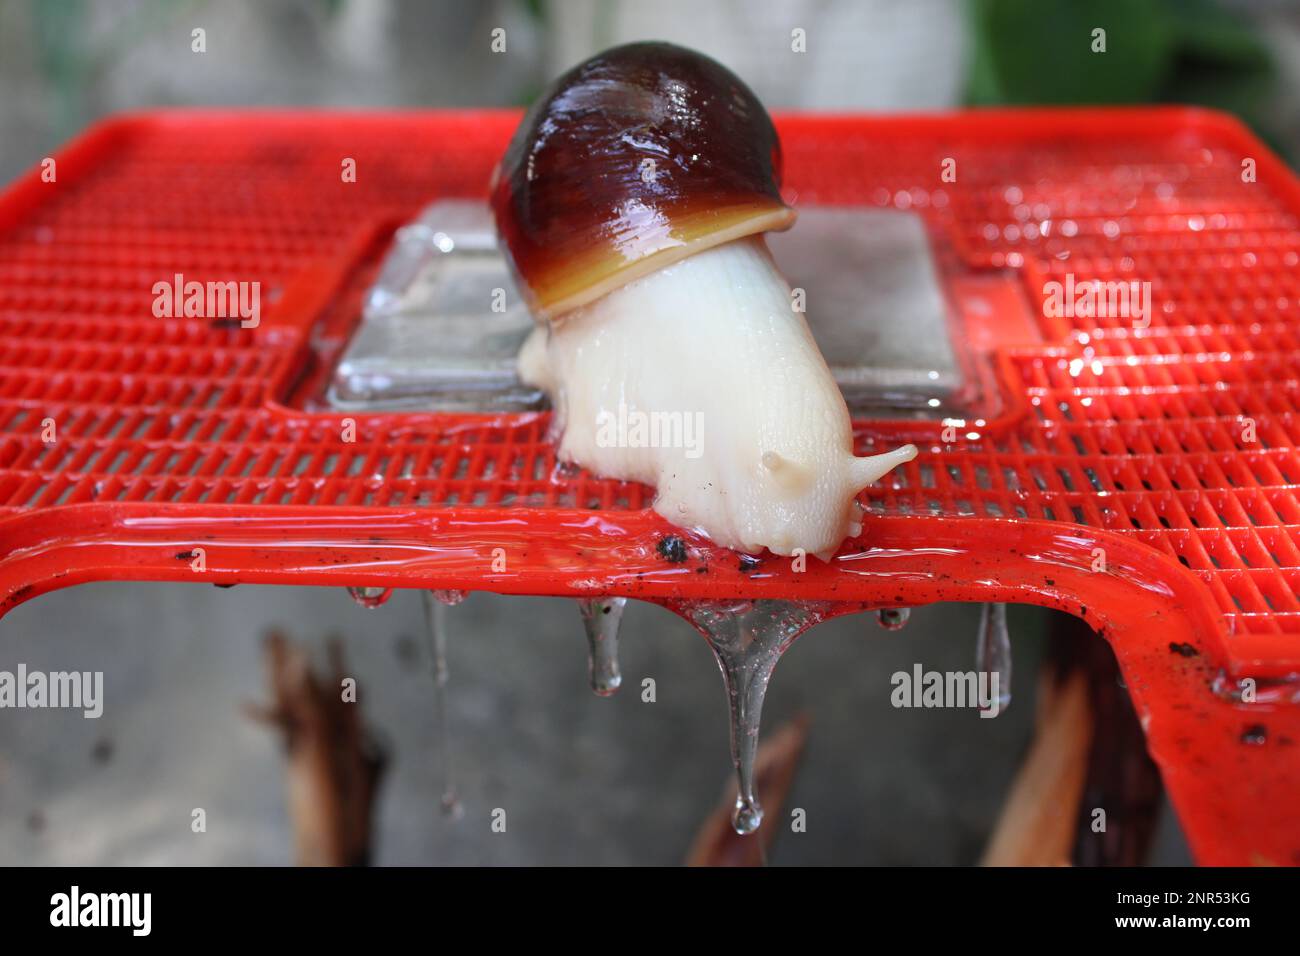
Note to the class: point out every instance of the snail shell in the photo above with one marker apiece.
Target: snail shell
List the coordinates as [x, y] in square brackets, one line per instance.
[633, 160]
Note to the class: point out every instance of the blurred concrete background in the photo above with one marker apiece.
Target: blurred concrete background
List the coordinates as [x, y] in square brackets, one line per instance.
[583, 780]
[66, 63]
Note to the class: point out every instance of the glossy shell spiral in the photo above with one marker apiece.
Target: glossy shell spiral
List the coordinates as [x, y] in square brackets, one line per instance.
[633, 160]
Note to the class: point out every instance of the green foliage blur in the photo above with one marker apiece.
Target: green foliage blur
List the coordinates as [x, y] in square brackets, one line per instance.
[1023, 52]
[1156, 51]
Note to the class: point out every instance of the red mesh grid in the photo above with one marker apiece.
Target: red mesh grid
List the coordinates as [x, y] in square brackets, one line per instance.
[175, 434]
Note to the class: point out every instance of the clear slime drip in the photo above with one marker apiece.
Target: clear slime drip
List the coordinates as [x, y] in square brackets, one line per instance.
[435, 611]
[993, 649]
[748, 638]
[601, 618]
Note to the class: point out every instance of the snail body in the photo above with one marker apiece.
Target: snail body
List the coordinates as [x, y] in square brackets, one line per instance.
[632, 203]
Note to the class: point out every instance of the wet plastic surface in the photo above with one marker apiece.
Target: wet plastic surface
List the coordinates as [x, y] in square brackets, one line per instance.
[443, 325]
[188, 448]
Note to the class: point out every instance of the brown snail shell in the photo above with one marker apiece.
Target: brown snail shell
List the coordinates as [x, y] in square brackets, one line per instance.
[634, 159]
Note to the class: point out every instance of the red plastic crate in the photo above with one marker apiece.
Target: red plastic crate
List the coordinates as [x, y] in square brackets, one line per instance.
[177, 434]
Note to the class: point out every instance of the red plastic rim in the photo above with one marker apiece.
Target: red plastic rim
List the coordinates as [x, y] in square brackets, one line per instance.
[184, 447]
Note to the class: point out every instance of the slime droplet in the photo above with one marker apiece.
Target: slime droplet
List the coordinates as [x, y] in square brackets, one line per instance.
[601, 618]
[893, 618]
[993, 649]
[748, 638]
[435, 611]
[370, 597]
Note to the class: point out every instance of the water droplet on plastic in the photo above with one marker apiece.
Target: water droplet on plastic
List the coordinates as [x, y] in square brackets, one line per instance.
[893, 618]
[370, 597]
[601, 618]
[993, 649]
[435, 611]
[747, 639]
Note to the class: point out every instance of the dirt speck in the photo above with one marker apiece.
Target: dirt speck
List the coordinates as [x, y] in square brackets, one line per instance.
[1255, 735]
[672, 549]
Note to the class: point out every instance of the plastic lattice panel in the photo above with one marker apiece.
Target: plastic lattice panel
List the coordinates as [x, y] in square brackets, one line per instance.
[1143, 478]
